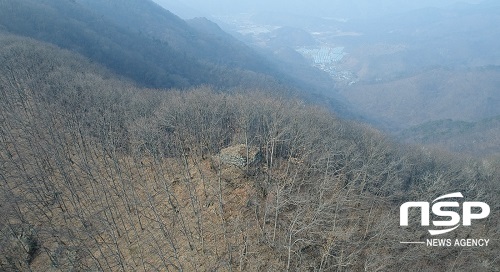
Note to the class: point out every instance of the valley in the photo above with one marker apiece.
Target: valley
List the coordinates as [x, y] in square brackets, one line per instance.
[398, 72]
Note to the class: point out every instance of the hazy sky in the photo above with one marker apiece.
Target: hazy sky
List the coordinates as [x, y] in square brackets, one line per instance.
[333, 8]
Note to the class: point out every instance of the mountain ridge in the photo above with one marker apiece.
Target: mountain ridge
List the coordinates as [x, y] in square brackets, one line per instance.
[129, 52]
[479, 138]
[197, 53]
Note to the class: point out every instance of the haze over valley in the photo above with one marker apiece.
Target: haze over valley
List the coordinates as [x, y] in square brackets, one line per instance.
[398, 65]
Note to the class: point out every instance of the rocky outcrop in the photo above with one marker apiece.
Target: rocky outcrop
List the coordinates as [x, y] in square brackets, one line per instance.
[239, 155]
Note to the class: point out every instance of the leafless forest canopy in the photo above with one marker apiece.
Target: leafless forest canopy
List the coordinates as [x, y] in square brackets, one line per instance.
[98, 174]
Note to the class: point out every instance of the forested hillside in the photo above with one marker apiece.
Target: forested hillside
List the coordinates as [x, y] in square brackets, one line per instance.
[149, 45]
[480, 138]
[436, 94]
[98, 174]
[198, 38]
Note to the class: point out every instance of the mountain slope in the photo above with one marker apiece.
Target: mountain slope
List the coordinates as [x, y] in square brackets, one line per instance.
[481, 138]
[426, 65]
[150, 62]
[155, 48]
[467, 95]
[152, 20]
[99, 175]
[204, 40]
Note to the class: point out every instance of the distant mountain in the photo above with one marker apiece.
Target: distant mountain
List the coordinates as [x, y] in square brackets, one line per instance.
[426, 65]
[459, 35]
[192, 39]
[467, 95]
[331, 8]
[139, 40]
[180, 8]
[480, 138]
[142, 41]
